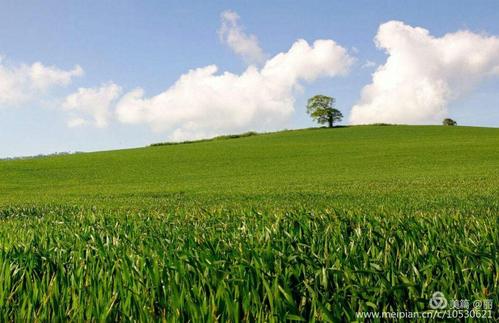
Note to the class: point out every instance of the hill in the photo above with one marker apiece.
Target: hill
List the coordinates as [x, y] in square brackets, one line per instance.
[306, 225]
[350, 160]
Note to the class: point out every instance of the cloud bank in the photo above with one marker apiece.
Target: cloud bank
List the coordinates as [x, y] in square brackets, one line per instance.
[22, 83]
[203, 103]
[232, 34]
[91, 105]
[423, 73]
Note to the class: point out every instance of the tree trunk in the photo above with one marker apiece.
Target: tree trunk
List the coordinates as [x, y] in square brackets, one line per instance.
[330, 122]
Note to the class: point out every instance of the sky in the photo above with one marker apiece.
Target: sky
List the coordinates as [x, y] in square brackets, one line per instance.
[100, 75]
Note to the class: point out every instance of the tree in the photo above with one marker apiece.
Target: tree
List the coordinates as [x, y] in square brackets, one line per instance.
[321, 109]
[449, 122]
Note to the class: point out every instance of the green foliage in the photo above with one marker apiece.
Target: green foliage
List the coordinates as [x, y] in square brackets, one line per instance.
[321, 109]
[258, 228]
[382, 124]
[449, 122]
[240, 135]
[224, 137]
[60, 264]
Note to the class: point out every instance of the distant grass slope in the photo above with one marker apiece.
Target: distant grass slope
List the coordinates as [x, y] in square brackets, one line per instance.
[351, 161]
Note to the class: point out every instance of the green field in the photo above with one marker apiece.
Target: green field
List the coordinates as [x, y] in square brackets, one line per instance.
[314, 224]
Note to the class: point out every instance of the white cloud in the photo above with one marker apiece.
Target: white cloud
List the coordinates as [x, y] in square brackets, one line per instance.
[369, 64]
[203, 103]
[242, 44]
[93, 103]
[76, 122]
[23, 83]
[423, 73]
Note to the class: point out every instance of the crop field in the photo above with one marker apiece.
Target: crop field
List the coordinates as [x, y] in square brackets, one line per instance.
[304, 225]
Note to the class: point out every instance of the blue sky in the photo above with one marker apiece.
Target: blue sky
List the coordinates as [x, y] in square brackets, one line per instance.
[150, 44]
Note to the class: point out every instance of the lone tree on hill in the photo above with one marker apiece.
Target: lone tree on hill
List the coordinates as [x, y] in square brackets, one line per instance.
[449, 122]
[321, 109]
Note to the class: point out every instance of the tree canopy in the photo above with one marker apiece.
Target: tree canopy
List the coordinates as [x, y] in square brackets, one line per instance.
[321, 109]
[449, 122]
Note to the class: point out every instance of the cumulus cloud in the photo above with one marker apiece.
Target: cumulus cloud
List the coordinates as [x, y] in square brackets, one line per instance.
[21, 83]
[368, 64]
[241, 43]
[203, 102]
[423, 73]
[91, 105]
[74, 122]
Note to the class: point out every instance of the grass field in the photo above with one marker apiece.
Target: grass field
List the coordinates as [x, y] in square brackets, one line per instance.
[314, 224]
